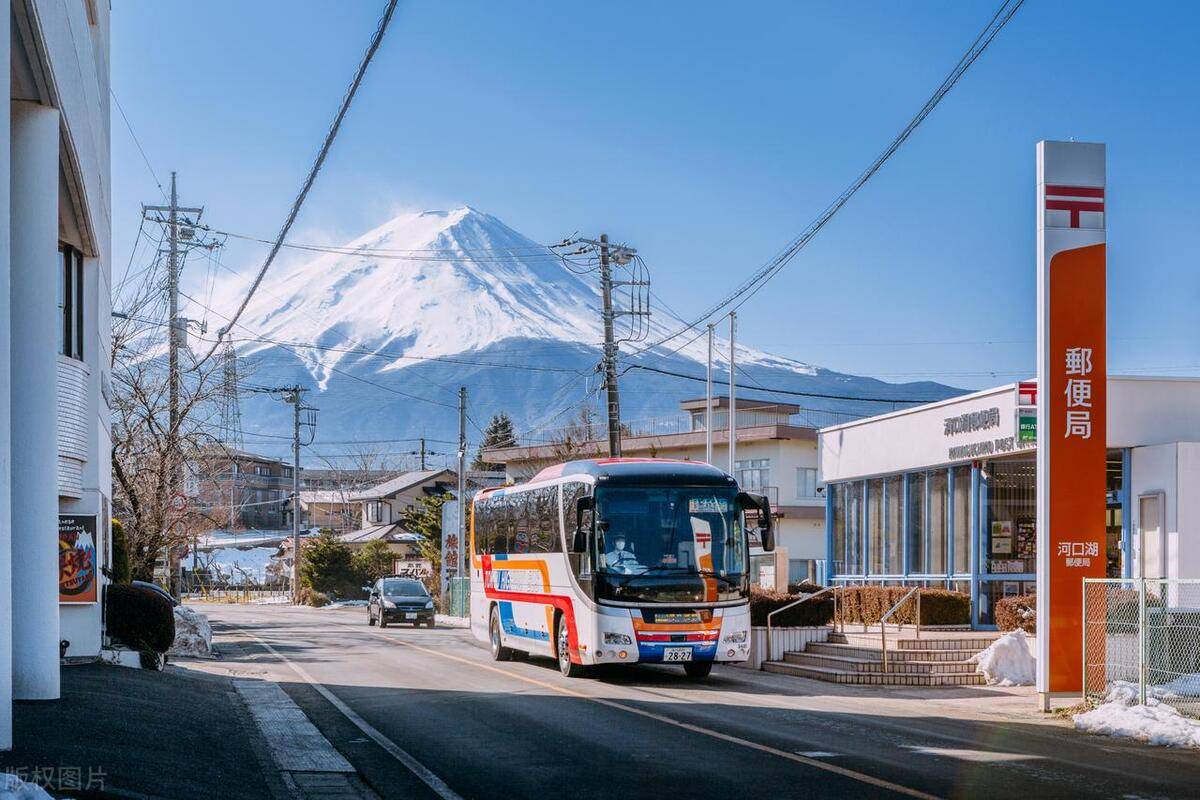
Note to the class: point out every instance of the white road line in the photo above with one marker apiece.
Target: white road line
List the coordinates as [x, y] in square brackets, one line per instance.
[396, 751]
[816, 754]
[862, 777]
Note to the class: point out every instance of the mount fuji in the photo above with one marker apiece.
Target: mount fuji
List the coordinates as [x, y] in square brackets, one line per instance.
[384, 330]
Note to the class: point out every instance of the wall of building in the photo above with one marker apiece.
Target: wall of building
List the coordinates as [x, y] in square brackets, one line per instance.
[1174, 470]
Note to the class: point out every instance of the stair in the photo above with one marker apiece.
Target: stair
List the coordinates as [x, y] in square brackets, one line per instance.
[857, 658]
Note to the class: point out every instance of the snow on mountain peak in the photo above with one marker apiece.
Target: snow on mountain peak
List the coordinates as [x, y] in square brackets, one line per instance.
[436, 283]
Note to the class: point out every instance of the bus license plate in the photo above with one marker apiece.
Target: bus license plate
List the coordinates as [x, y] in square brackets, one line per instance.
[677, 654]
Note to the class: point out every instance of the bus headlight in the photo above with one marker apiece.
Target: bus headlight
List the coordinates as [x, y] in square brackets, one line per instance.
[617, 638]
[737, 637]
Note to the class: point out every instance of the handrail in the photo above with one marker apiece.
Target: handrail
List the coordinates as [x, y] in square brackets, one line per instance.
[883, 620]
[805, 599]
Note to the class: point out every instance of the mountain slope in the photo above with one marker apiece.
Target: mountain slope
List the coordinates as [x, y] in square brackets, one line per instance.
[403, 315]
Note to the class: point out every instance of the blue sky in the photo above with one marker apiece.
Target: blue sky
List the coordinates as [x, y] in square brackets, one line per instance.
[707, 135]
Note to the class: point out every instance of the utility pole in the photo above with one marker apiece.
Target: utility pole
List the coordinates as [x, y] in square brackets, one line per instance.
[176, 334]
[422, 454]
[462, 477]
[708, 401]
[303, 416]
[732, 396]
[610, 354]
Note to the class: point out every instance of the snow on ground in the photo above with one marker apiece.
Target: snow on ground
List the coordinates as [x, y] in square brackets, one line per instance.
[274, 600]
[193, 634]
[238, 565]
[346, 604]
[1008, 661]
[447, 621]
[13, 788]
[1155, 722]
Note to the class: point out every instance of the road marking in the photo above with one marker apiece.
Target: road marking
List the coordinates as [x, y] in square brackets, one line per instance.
[396, 751]
[983, 756]
[725, 737]
[816, 754]
[294, 742]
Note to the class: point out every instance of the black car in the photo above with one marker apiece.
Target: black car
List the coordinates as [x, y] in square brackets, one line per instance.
[399, 600]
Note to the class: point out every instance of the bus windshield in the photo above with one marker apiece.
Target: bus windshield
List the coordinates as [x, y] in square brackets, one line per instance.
[670, 532]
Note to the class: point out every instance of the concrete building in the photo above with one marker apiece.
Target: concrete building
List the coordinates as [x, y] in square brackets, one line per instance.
[945, 494]
[55, 267]
[776, 455]
[242, 491]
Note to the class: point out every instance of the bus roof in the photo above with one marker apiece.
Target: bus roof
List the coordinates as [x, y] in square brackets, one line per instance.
[658, 471]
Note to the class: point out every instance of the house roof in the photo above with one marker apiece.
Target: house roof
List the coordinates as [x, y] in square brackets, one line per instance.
[388, 533]
[401, 482]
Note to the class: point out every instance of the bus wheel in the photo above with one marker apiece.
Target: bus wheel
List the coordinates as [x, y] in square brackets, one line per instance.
[499, 651]
[698, 669]
[568, 668]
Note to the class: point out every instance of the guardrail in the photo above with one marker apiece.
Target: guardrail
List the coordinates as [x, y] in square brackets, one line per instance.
[884, 620]
[805, 599]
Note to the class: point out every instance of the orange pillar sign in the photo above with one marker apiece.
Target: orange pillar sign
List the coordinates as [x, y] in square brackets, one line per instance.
[1072, 418]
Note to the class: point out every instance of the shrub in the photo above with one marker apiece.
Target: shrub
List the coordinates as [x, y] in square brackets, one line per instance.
[868, 604]
[327, 566]
[121, 571]
[309, 597]
[814, 612]
[141, 619]
[1015, 612]
[803, 587]
[373, 561]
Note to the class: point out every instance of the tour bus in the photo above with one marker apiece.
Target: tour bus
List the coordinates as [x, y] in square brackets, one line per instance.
[616, 561]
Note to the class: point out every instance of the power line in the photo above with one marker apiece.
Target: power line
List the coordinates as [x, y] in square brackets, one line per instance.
[138, 143]
[748, 288]
[376, 40]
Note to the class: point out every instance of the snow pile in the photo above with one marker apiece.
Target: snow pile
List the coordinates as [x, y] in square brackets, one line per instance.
[193, 634]
[347, 604]
[447, 621]
[274, 600]
[239, 566]
[1008, 661]
[1154, 723]
[13, 788]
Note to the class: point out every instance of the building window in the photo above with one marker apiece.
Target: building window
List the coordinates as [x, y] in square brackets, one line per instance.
[753, 474]
[874, 526]
[962, 520]
[1010, 538]
[893, 519]
[374, 511]
[806, 483]
[70, 301]
[917, 551]
[802, 570]
[939, 520]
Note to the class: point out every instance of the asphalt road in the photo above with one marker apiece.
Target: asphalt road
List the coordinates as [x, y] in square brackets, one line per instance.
[415, 708]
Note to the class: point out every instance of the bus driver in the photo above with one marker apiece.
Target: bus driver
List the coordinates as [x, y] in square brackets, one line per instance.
[621, 560]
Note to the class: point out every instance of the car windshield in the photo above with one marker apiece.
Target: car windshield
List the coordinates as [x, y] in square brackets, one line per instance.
[644, 531]
[403, 586]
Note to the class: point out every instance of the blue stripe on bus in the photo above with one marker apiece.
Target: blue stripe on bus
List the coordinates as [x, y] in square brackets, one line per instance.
[509, 624]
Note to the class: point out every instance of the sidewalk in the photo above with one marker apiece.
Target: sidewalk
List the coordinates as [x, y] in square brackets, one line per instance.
[119, 732]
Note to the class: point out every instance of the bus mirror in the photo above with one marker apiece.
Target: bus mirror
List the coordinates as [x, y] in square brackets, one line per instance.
[766, 524]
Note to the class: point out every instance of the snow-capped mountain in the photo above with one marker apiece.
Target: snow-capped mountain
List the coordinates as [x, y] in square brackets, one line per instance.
[432, 300]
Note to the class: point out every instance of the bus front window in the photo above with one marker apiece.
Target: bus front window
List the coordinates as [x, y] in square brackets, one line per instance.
[668, 541]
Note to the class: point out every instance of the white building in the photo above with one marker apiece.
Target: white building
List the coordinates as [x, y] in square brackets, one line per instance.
[55, 228]
[944, 494]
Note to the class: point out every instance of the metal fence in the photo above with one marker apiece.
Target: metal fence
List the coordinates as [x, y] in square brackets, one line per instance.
[1143, 637]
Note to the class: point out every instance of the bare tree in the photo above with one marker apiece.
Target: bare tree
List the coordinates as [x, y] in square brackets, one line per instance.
[147, 452]
[359, 467]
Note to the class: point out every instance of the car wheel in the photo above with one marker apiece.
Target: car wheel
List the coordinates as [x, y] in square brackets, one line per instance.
[562, 650]
[697, 669]
[430, 623]
[499, 651]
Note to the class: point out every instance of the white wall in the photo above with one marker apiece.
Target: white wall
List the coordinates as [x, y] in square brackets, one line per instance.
[1174, 470]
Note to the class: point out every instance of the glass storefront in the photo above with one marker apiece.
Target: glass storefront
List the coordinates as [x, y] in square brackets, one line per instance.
[972, 528]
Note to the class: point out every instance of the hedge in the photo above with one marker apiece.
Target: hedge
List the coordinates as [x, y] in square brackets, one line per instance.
[1018, 611]
[813, 613]
[139, 618]
[868, 604]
